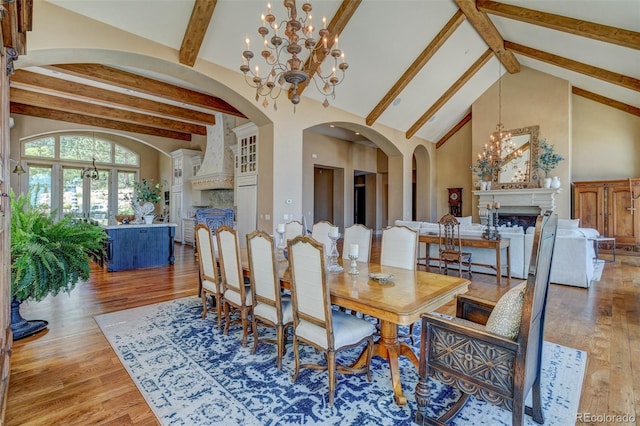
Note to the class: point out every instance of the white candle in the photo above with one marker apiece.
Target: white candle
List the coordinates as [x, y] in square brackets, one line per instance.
[281, 228]
[497, 204]
[333, 232]
[353, 250]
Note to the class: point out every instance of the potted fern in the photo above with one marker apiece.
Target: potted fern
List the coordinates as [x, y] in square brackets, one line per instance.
[47, 257]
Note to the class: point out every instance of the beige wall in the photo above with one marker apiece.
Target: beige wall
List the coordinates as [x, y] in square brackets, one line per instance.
[453, 159]
[529, 98]
[325, 151]
[606, 142]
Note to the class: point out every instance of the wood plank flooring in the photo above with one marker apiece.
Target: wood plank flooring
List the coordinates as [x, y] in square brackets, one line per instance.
[70, 375]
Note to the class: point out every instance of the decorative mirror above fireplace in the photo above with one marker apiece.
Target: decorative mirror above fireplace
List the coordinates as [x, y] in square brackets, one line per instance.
[519, 152]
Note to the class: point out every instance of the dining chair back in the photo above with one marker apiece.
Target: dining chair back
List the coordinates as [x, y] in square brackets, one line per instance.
[236, 295]
[360, 235]
[450, 246]
[398, 247]
[320, 232]
[314, 321]
[270, 309]
[293, 229]
[209, 278]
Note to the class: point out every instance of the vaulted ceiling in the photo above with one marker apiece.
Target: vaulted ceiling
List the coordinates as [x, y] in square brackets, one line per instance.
[416, 66]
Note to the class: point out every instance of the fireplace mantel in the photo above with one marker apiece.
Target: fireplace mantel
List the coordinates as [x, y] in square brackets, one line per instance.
[524, 201]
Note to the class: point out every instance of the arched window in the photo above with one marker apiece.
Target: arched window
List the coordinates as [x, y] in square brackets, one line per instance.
[57, 182]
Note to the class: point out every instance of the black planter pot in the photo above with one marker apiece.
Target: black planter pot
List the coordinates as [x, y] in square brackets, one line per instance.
[21, 327]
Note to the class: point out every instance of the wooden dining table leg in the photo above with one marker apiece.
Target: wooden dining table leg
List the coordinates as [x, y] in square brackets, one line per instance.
[390, 348]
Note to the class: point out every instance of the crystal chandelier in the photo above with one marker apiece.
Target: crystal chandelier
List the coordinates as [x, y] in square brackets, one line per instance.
[501, 146]
[283, 63]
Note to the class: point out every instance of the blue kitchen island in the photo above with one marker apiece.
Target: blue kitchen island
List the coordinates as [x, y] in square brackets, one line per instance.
[135, 246]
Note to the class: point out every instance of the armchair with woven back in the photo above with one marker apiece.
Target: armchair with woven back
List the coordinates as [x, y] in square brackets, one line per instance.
[491, 351]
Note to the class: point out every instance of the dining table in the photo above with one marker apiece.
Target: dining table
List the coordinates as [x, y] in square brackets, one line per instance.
[398, 297]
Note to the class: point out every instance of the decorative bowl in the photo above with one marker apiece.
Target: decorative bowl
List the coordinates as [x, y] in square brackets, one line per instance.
[380, 277]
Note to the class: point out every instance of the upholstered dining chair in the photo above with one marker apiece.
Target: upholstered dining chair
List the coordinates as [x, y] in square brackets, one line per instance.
[320, 232]
[360, 235]
[314, 322]
[269, 307]
[398, 247]
[492, 351]
[293, 229]
[450, 246]
[209, 278]
[236, 294]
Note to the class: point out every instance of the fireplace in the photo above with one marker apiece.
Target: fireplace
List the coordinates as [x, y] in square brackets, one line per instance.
[517, 206]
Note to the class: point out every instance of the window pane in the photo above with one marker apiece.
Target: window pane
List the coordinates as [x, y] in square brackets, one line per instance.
[45, 147]
[81, 147]
[72, 195]
[100, 198]
[125, 192]
[40, 187]
[126, 156]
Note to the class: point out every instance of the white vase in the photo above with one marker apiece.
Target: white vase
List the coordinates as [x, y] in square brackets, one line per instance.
[483, 185]
[555, 182]
[547, 182]
[148, 218]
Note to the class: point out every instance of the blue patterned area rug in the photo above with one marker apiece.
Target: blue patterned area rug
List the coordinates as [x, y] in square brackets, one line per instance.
[191, 374]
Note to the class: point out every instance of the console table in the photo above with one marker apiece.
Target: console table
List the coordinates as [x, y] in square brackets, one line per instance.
[497, 245]
[140, 246]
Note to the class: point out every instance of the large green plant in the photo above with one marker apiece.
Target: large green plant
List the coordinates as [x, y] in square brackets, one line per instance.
[48, 257]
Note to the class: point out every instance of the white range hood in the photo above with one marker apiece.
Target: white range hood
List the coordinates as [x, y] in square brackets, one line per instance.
[216, 170]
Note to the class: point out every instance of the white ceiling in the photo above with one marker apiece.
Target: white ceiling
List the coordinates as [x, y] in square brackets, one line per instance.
[384, 37]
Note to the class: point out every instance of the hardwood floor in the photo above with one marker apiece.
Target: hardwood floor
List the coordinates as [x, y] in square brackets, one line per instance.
[70, 375]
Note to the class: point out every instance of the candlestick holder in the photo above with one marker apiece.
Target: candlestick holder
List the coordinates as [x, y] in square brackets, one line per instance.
[354, 264]
[333, 254]
[281, 244]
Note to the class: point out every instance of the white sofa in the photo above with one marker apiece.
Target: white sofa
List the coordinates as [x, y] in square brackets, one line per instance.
[573, 254]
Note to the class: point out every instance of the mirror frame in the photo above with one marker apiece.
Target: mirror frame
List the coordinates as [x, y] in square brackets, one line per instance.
[533, 132]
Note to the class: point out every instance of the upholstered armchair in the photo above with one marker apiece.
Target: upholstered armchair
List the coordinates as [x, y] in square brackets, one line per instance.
[492, 352]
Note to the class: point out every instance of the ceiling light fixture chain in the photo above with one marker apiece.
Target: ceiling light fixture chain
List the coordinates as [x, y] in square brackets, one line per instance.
[91, 172]
[298, 35]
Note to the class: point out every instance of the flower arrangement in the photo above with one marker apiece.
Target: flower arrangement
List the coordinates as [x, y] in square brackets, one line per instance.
[146, 191]
[547, 159]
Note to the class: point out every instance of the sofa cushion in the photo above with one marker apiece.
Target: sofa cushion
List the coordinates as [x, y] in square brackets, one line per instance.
[568, 223]
[505, 317]
[465, 221]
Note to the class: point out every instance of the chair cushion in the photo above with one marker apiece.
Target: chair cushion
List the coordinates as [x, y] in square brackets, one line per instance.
[210, 286]
[505, 317]
[234, 296]
[268, 312]
[347, 330]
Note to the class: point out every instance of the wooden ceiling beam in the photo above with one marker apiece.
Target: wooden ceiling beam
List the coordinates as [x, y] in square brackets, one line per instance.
[196, 30]
[454, 130]
[575, 66]
[142, 84]
[464, 78]
[416, 66]
[605, 33]
[489, 34]
[79, 107]
[606, 101]
[28, 80]
[335, 28]
[69, 117]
